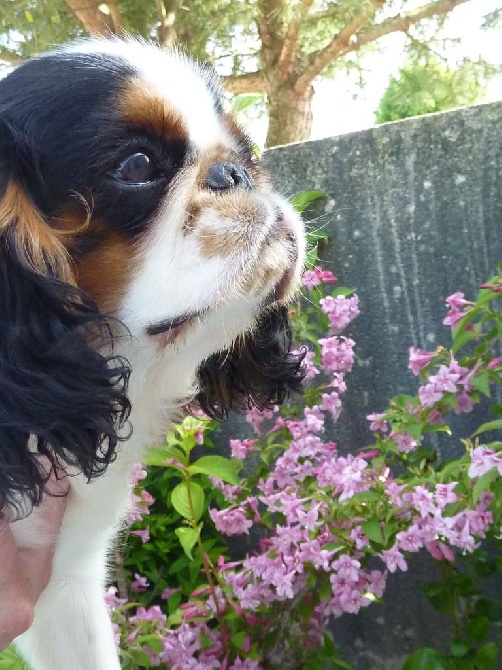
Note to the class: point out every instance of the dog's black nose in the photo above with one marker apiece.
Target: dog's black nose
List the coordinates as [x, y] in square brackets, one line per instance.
[224, 175]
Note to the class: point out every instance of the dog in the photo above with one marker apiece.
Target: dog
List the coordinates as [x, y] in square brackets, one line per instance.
[145, 264]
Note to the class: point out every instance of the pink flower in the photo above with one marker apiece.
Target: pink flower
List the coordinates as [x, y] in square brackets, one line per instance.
[465, 403]
[404, 442]
[483, 460]
[314, 420]
[410, 540]
[445, 380]
[139, 584]
[337, 354]
[440, 551]
[314, 277]
[143, 533]
[394, 559]
[154, 613]
[241, 448]
[445, 495]
[378, 422]
[377, 581]
[138, 472]
[310, 369]
[457, 300]
[419, 359]
[246, 664]
[331, 403]
[359, 537]
[340, 310]
[231, 521]
[112, 600]
[455, 313]
[428, 395]
[256, 417]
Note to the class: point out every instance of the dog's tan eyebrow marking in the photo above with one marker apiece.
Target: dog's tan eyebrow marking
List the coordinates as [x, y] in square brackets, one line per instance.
[141, 107]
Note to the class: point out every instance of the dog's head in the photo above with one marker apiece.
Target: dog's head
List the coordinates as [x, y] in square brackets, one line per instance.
[131, 206]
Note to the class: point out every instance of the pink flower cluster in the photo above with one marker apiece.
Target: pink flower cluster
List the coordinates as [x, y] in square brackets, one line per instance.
[316, 277]
[316, 504]
[451, 378]
[141, 503]
[455, 303]
[340, 310]
[483, 460]
[422, 508]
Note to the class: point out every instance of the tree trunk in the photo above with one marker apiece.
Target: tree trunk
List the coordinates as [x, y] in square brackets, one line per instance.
[290, 114]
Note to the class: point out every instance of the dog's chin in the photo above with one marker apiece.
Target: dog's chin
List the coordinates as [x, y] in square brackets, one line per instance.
[284, 290]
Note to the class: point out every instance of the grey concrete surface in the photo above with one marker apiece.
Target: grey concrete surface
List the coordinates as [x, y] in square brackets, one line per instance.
[414, 213]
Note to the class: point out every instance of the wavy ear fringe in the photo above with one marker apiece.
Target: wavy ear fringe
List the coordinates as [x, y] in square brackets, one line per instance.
[58, 395]
[259, 371]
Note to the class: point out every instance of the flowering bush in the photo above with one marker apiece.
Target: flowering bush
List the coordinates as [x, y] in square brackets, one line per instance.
[325, 528]
[329, 527]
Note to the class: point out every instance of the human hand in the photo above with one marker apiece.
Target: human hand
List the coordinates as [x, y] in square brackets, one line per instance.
[26, 571]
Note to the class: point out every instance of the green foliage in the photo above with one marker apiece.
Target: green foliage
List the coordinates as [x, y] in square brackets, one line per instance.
[426, 85]
[9, 660]
[178, 519]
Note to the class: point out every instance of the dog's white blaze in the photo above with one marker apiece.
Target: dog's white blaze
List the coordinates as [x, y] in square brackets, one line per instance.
[171, 76]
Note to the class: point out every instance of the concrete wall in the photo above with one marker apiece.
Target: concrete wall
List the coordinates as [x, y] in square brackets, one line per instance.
[413, 213]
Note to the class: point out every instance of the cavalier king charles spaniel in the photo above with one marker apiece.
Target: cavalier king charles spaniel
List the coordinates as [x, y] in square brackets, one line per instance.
[145, 265]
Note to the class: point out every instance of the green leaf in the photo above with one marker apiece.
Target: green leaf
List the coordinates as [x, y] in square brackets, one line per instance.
[140, 658]
[425, 659]
[160, 454]
[462, 338]
[487, 656]
[342, 291]
[373, 530]
[175, 618]
[180, 500]
[188, 538]
[301, 201]
[9, 660]
[153, 641]
[239, 638]
[459, 649]
[483, 483]
[482, 383]
[477, 628]
[216, 466]
[241, 102]
[311, 258]
[490, 425]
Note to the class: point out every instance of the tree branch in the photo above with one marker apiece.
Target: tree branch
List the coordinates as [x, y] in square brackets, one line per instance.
[354, 35]
[250, 82]
[9, 56]
[270, 30]
[331, 12]
[289, 47]
[403, 22]
[341, 44]
[115, 16]
[91, 17]
[166, 17]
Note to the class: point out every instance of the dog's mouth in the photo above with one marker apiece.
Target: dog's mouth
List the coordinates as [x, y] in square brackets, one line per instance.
[169, 329]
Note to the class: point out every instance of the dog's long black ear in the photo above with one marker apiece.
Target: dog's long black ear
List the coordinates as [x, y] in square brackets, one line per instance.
[59, 396]
[259, 371]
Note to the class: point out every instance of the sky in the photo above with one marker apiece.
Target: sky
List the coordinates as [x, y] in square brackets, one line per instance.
[341, 106]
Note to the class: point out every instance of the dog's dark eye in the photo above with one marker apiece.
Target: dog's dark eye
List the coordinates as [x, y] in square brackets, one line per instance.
[137, 168]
